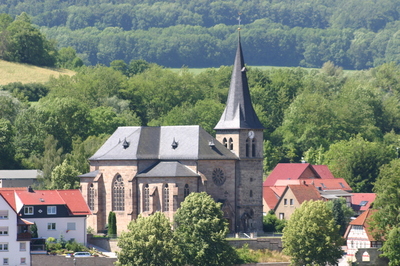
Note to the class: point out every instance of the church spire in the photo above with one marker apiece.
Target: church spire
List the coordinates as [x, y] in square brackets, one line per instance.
[239, 112]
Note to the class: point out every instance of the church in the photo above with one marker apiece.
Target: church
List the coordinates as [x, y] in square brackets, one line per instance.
[141, 170]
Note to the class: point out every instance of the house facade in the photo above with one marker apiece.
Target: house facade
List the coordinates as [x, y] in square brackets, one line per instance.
[57, 213]
[292, 197]
[358, 236]
[14, 236]
[141, 170]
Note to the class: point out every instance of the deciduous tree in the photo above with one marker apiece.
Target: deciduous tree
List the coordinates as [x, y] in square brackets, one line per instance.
[149, 241]
[201, 231]
[311, 236]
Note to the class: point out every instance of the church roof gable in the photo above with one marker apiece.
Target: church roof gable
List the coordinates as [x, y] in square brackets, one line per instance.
[168, 169]
[162, 143]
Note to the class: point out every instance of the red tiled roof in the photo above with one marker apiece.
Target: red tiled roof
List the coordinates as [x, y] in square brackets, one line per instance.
[278, 190]
[294, 171]
[324, 184]
[75, 201]
[363, 220]
[9, 196]
[71, 197]
[323, 171]
[286, 171]
[357, 198]
[270, 197]
[304, 192]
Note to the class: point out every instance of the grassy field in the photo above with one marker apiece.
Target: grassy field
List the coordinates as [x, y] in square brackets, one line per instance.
[13, 72]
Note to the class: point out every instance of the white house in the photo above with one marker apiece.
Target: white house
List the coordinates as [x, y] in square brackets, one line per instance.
[57, 213]
[358, 235]
[14, 236]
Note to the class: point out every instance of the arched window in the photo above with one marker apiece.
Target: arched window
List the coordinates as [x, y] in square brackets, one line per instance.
[230, 143]
[166, 198]
[225, 142]
[247, 147]
[146, 199]
[253, 148]
[91, 197]
[186, 191]
[118, 200]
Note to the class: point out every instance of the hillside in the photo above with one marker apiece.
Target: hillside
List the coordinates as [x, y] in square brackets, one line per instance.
[13, 72]
[353, 34]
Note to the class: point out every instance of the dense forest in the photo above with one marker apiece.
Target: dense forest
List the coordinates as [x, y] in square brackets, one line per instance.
[353, 34]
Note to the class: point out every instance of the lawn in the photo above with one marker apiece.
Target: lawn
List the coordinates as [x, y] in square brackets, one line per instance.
[14, 72]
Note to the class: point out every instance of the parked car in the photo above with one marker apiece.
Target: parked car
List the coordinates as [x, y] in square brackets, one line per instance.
[82, 254]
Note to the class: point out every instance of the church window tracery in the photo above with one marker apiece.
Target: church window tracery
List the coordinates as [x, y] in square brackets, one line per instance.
[91, 197]
[166, 197]
[118, 200]
[146, 200]
[186, 191]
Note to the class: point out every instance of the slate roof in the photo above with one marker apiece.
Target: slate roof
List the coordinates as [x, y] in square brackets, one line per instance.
[134, 143]
[239, 112]
[90, 174]
[20, 174]
[358, 198]
[168, 169]
[72, 198]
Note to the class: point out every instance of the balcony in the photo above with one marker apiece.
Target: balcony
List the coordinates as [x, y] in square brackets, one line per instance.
[24, 236]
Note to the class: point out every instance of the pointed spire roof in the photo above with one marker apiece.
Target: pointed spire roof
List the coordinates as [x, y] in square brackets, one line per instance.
[239, 112]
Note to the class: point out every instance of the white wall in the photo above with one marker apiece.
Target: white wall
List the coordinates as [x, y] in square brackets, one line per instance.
[79, 234]
[14, 254]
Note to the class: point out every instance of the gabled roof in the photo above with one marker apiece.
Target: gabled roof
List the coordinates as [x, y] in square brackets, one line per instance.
[162, 143]
[321, 184]
[168, 169]
[323, 171]
[362, 201]
[239, 112]
[72, 198]
[304, 192]
[364, 220]
[286, 171]
[270, 197]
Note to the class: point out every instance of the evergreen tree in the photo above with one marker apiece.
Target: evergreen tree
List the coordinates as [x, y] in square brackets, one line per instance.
[34, 230]
[112, 224]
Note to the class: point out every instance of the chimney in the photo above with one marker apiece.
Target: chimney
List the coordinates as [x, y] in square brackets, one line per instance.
[30, 189]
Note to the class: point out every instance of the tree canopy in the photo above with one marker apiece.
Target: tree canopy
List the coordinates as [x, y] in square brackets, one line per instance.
[201, 231]
[311, 236]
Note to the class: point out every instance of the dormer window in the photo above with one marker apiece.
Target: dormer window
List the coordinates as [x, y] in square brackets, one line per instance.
[51, 210]
[28, 210]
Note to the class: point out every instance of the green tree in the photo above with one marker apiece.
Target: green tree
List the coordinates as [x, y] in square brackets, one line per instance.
[358, 161]
[311, 236]
[201, 231]
[149, 241]
[391, 247]
[387, 202]
[34, 230]
[64, 176]
[341, 212]
[271, 223]
[112, 224]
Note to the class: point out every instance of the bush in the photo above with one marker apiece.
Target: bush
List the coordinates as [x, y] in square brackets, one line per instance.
[75, 246]
[246, 255]
[272, 224]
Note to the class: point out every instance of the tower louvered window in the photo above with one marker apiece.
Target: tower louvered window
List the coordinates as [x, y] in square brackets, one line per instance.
[247, 147]
[225, 142]
[118, 194]
[253, 148]
[91, 197]
[146, 206]
[230, 143]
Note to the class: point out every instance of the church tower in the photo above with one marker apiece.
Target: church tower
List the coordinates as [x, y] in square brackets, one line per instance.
[240, 130]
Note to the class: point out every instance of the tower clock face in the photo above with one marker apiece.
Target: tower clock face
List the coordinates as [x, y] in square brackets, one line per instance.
[251, 134]
[218, 176]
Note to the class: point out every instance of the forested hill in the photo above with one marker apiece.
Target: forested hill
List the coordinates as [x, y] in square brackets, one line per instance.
[354, 34]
